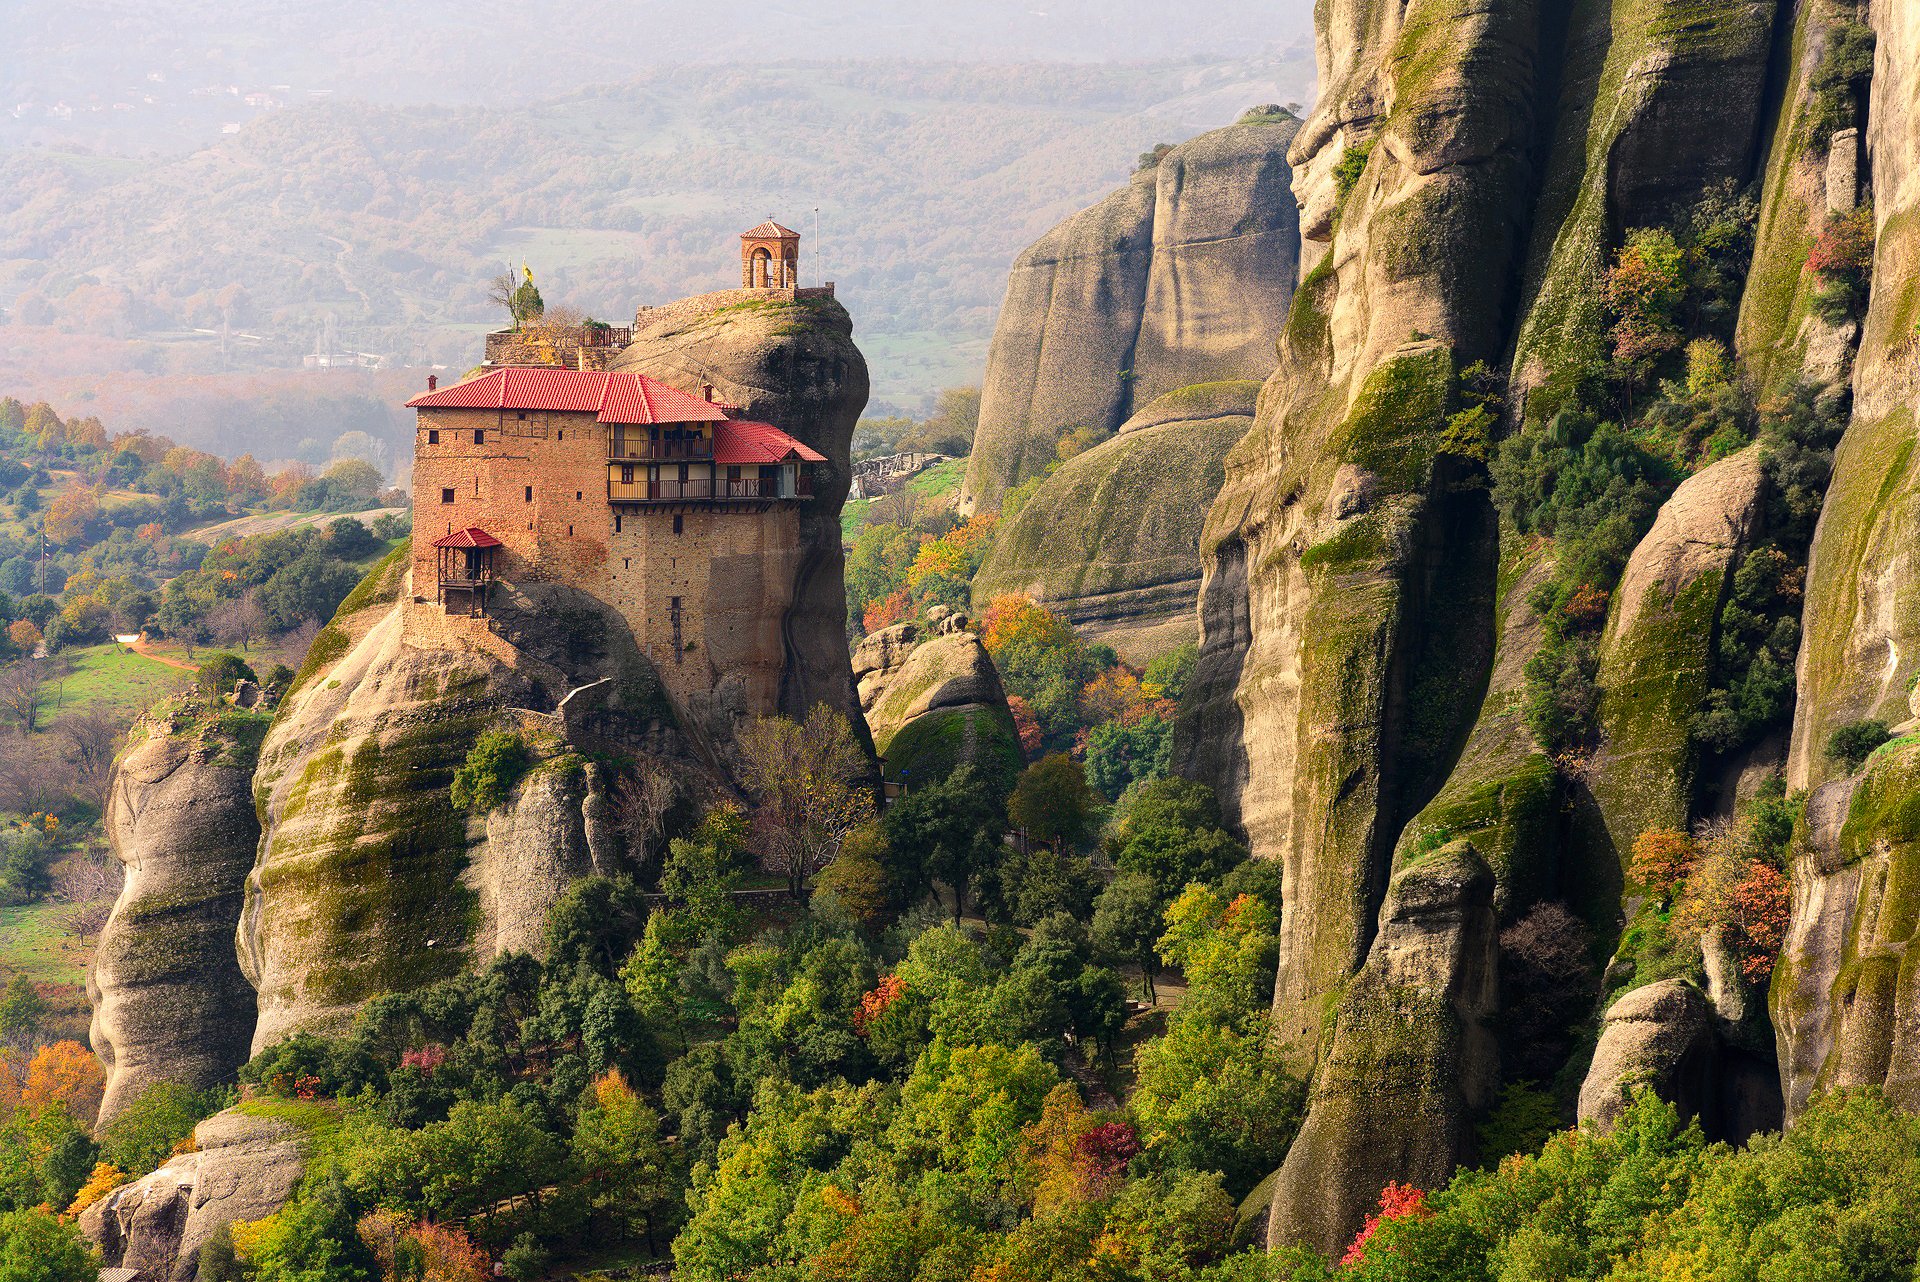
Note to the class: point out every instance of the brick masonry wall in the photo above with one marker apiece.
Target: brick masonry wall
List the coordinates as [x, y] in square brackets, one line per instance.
[732, 569]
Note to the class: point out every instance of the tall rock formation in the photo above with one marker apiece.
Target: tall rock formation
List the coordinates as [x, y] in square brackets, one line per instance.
[368, 878]
[1180, 277]
[1845, 1000]
[169, 1001]
[1366, 623]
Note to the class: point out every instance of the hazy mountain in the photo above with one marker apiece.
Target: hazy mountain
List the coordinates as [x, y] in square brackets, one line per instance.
[380, 225]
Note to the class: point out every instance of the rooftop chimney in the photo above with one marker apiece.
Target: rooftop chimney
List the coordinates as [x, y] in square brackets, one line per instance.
[706, 390]
[433, 381]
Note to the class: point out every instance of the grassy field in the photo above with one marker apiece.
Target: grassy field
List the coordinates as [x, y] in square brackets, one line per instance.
[108, 676]
[941, 481]
[32, 944]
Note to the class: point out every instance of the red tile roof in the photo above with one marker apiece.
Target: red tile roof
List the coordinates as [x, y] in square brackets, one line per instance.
[617, 397]
[754, 443]
[770, 230]
[471, 537]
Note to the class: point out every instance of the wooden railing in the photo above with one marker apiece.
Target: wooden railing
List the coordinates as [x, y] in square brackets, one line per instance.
[658, 451]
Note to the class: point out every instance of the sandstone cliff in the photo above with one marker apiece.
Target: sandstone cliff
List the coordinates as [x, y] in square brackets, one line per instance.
[169, 1001]
[1366, 624]
[1112, 539]
[1180, 277]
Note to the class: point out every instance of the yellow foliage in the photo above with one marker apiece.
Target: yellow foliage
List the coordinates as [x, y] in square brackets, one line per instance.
[106, 1177]
[65, 1074]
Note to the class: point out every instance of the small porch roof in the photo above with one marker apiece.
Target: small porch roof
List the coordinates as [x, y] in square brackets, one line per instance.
[471, 537]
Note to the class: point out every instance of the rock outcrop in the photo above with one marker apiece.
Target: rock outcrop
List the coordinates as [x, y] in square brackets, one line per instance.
[1365, 622]
[169, 1001]
[1111, 540]
[1656, 658]
[1411, 1061]
[242, 1167]
[1660, 1038]
[1182, 276]
[368, 879]
[933, 701]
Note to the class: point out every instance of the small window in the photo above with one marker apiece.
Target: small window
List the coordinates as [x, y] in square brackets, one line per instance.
[626, 562]
[522, 416]
[529, 494]
[616, 523]
[560, 435]
[446, 496]
[569, 531]
[433, 436]
[677, 526]
[479, 436]
[577, 495]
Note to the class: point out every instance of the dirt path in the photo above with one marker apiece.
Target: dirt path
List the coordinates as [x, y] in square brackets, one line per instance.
[145, 650]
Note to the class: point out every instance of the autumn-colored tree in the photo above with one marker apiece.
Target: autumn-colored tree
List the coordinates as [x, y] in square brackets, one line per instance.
[24, 635]
[887, 611]
[1015, 619]
[1032, 737]
[45, 427]
[809, 782]
[64, 1074]
[1645, 290]
[873, 1005]
[1397, 1202]
[1761, 905]
[106, 1177]
[1661, 860]
[67, 515]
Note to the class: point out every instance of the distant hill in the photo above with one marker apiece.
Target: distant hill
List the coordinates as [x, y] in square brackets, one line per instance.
[390, 220]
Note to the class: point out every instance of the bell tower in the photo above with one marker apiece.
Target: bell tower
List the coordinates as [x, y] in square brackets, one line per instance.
[770, 257]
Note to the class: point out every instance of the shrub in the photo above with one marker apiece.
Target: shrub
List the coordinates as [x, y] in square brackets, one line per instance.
[1842, 257]
[1843, 73]
[1853, 743]
[216, 676]
[1352, 164]
[156, 1124]
[495, 763]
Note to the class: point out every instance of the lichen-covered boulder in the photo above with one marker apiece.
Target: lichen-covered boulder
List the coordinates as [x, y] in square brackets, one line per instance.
[1659, 1037]
[1111, 540]
[169, 1001]
[1182, 276]
[1656, 657]
[1411, 1060]
[242, 1167]
[933, 700]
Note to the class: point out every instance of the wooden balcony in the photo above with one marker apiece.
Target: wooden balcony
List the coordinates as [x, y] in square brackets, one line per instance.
[746, 490]
[697, 451]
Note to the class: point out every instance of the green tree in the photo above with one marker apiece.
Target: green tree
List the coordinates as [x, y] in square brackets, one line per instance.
[215, 676]
[1173, 836]
[37, 1247]
[947, 831]
[626, 1168]
[146, 1132]
[1053, 803]
[1126, 924]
